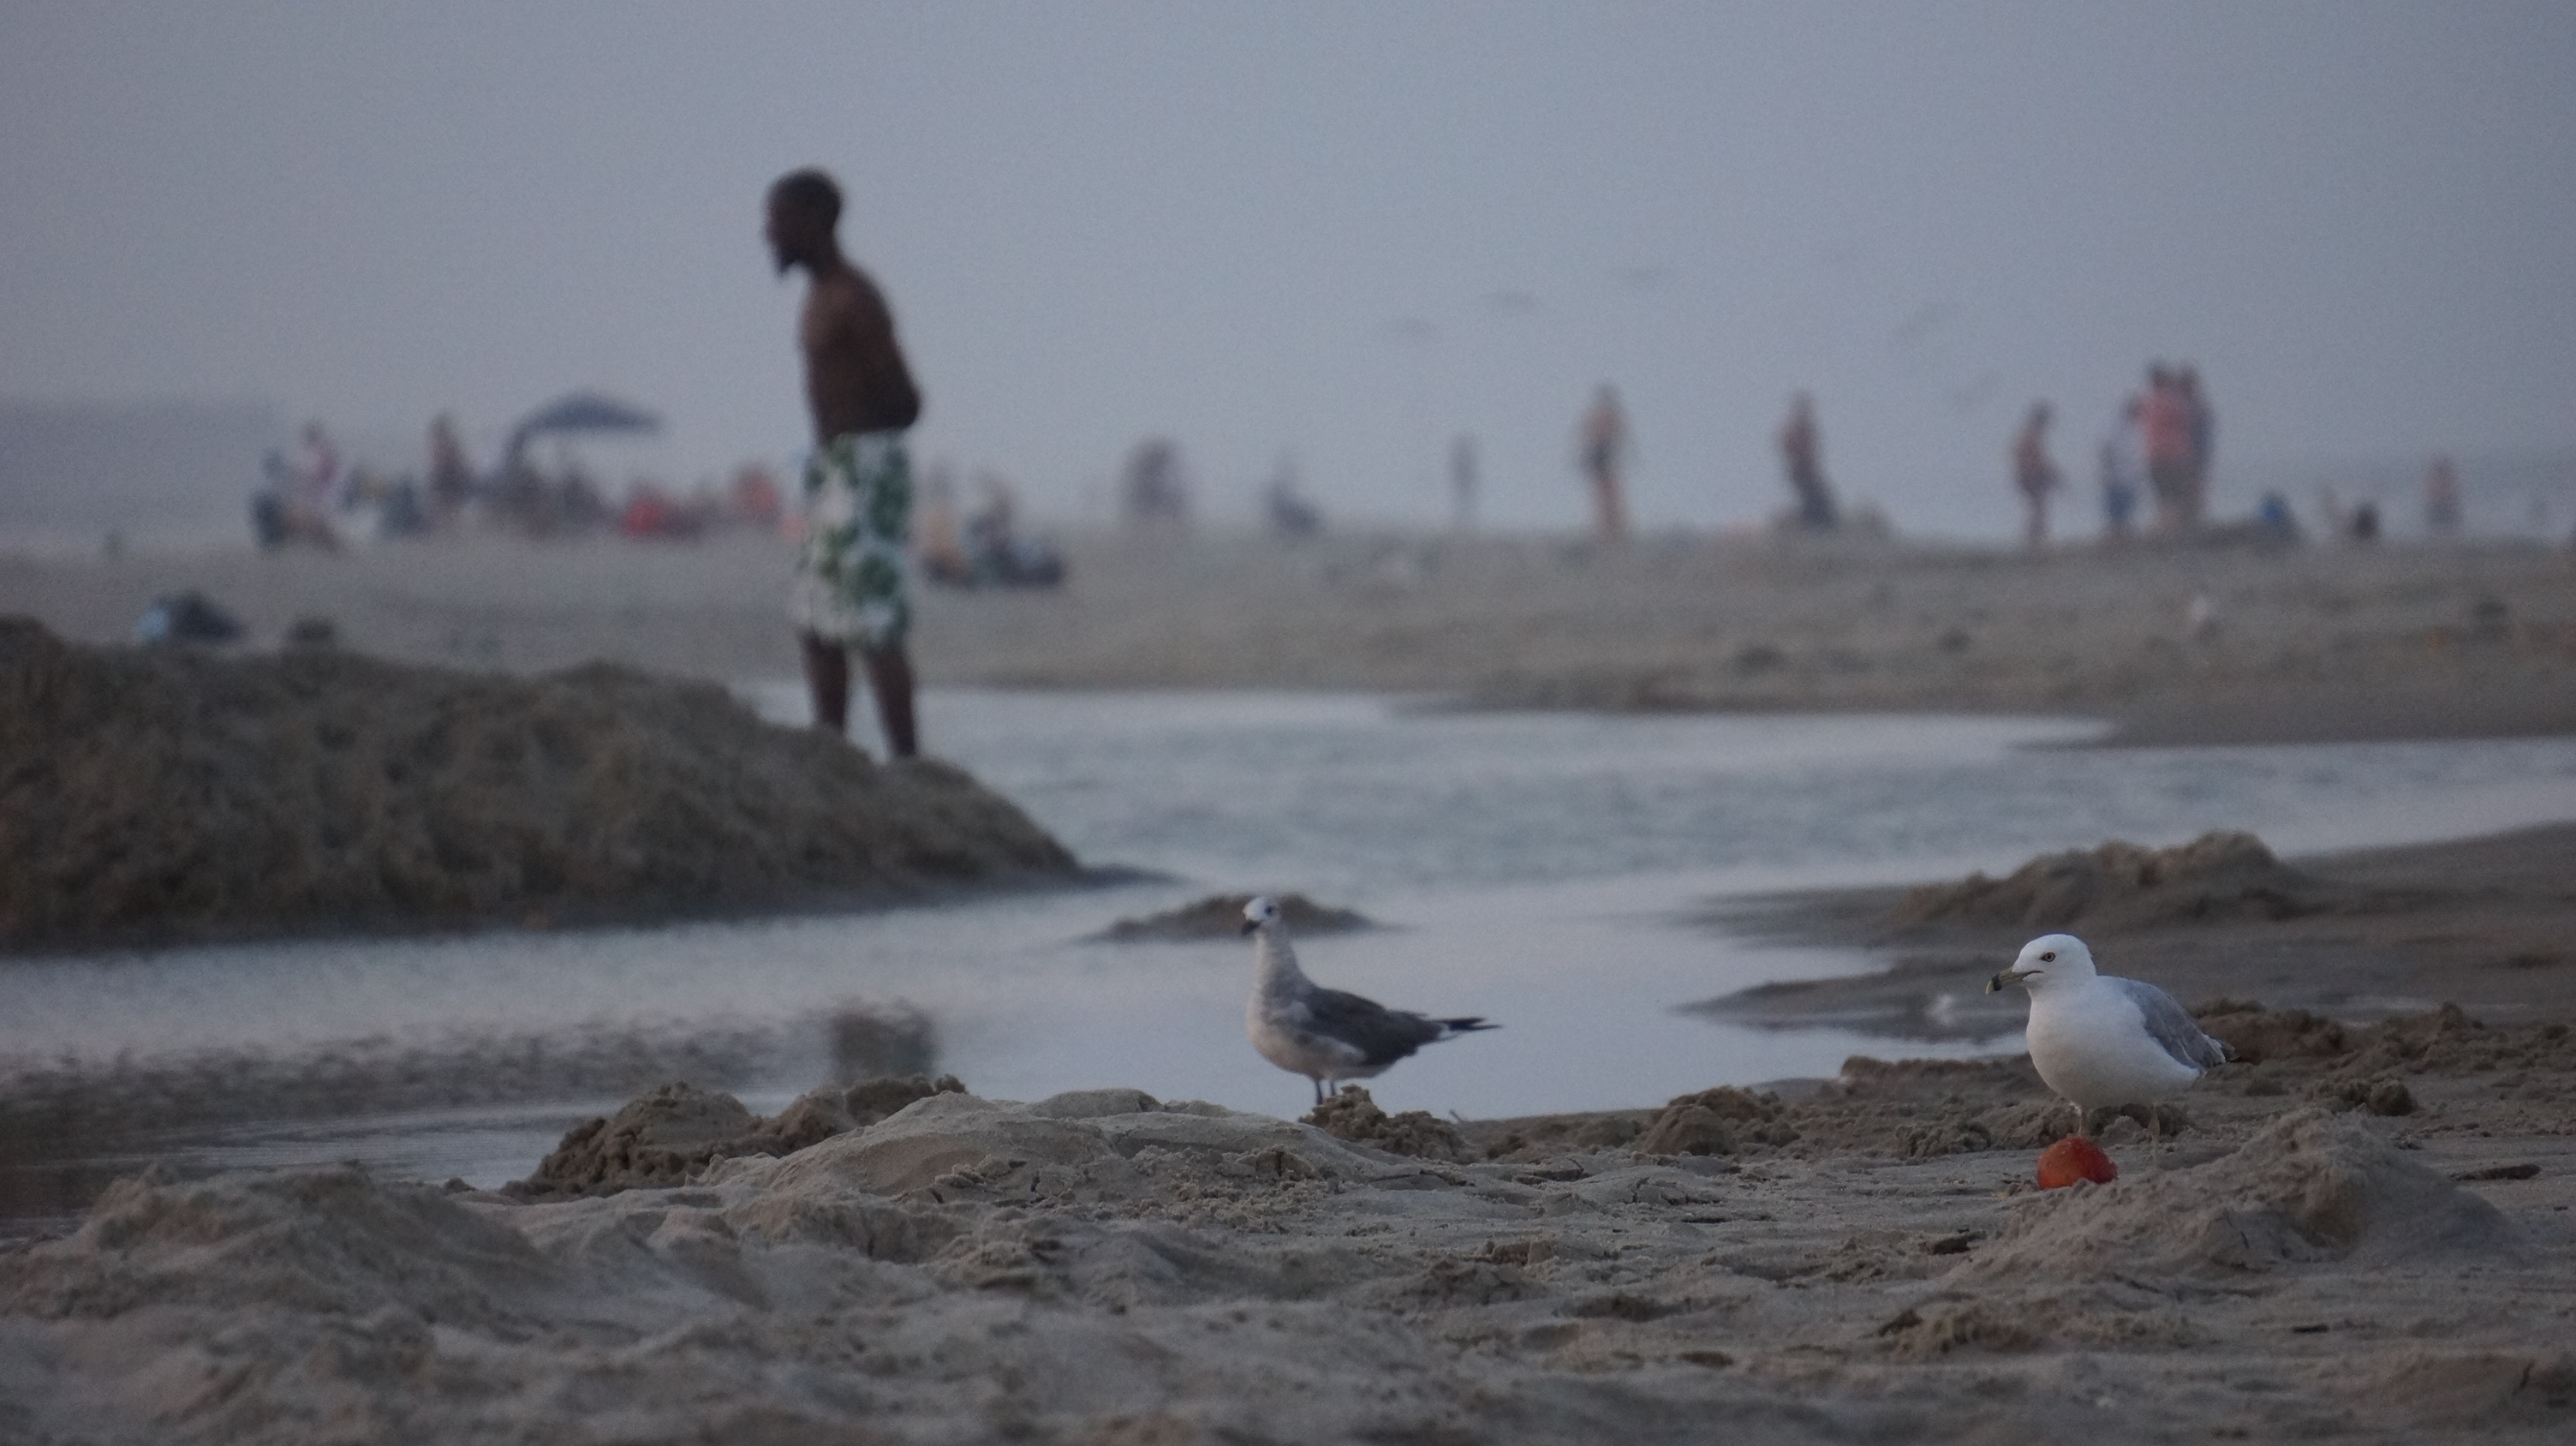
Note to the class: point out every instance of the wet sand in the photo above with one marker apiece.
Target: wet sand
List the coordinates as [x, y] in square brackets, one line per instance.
[2488, 924]
[2309, 645]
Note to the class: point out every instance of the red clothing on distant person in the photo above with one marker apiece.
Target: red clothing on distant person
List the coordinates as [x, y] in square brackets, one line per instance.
[2164, 421]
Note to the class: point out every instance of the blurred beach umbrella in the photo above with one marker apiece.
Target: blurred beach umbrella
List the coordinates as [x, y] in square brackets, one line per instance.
[579, 412]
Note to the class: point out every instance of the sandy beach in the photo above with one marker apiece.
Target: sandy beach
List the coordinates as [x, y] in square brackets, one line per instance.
[2309, 644]
[1520, 629]
[1857, 1259]
[2360, 1230]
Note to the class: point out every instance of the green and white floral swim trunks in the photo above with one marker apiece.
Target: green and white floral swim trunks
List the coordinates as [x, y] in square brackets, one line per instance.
[851, 584]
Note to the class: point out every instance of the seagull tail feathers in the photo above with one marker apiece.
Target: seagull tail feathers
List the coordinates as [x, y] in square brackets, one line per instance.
[1467, 1025]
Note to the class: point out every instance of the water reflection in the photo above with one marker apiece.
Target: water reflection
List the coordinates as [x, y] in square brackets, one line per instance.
[72, 1126]
[1541, 870]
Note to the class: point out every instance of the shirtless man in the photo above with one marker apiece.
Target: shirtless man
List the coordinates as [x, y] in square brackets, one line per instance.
[850, 589]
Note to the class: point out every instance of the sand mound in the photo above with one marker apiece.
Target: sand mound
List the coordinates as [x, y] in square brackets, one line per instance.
[1070, 1265]
[2121, 886]
[323, 1240]
[164, 794]
[670, 1135]
[2254, 1034]
[1093, 1145]
[1351, 1115]
[2310, 1187]
[1713, 1121]
[1220, 916]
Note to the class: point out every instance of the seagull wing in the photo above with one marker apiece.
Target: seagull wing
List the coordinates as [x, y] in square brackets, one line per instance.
[1381, 1035]
[2172, 1025]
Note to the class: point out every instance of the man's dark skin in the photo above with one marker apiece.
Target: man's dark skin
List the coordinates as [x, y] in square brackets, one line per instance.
[855, 382]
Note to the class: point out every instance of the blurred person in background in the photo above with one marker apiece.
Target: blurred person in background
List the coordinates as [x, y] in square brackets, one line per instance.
[2204, 440]
[2442, 499]
[1802, 448]
[2164, 430]
[753, 499]
[2123, 468]
[1285, 506]
[2277, 523]
[850, 590]
[312, 488]
[1154, 492]
[1605, 459]
[992, 529]
[2035, 475]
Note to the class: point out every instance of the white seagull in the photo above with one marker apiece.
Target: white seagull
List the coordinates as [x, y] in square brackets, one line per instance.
[1325, 1034]
[2101, 1041]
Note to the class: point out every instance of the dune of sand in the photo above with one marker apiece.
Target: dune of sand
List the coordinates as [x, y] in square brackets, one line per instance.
[158, 794]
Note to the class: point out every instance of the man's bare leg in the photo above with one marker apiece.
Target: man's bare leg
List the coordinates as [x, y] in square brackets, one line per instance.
[890, 678]
[827, 678]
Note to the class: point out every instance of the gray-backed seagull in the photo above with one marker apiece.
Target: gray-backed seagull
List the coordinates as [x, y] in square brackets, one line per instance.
[1325, 1034]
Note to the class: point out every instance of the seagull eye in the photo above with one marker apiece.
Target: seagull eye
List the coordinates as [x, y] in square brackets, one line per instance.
[2048, 958]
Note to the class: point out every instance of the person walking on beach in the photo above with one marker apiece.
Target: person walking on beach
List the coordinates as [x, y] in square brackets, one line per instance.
[2204, 439]
[2122, 462]
[1803, 450]
[2035, 475]
[1605, 454]
[850, 589]
[2442, 499]
[2164, 426]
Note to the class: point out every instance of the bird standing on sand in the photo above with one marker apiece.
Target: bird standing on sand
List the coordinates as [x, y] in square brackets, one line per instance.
[1325, 1034]
[2101, 1041]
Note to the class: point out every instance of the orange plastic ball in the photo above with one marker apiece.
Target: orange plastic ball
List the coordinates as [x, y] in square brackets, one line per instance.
[2075, 1158]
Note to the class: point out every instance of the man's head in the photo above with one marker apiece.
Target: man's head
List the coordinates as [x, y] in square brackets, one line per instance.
[804, 210]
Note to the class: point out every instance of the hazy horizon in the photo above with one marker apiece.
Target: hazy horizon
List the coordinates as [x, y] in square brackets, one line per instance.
[1348, 232]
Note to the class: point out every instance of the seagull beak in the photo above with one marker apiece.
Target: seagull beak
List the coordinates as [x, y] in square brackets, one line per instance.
[1251, 925]
[2008, 979]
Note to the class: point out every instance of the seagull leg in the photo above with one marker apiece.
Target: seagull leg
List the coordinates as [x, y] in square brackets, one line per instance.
[1319, 1091]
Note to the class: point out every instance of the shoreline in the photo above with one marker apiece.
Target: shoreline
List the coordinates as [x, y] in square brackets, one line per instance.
[827, 904]
[2487, 923]
[2309, 645]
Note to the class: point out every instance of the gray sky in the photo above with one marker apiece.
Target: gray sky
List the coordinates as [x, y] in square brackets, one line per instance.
[1351, 230]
